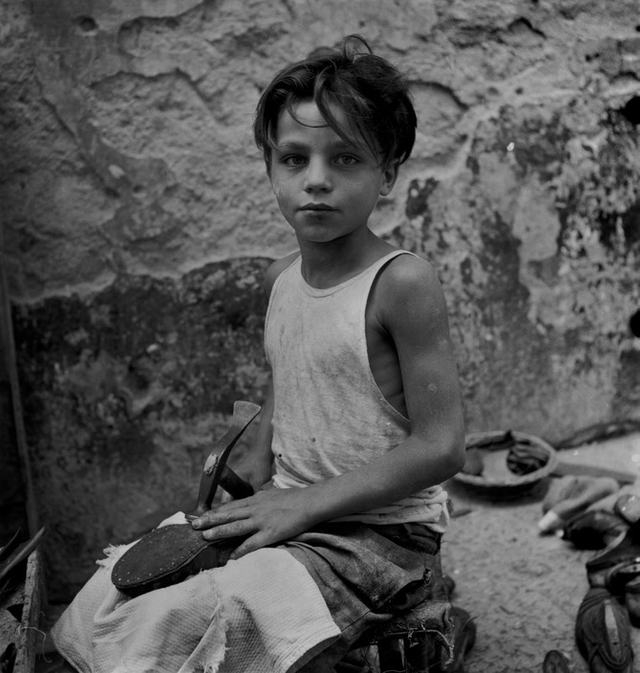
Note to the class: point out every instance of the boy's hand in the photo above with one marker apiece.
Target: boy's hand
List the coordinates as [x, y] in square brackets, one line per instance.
[268, 517]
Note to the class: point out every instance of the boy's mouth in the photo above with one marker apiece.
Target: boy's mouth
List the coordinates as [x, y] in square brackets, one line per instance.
[316, 207]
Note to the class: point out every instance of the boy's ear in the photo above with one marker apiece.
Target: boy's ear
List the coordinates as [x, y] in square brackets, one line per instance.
[389, 177]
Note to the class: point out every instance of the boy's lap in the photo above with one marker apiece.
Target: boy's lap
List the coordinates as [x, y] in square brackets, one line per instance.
[366, 574]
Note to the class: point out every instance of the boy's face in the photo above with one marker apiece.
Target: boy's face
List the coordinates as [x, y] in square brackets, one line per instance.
[326, 188]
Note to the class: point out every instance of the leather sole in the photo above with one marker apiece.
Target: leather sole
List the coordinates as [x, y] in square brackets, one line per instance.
[166, 556]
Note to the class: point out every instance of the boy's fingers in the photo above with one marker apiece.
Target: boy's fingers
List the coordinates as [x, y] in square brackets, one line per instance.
[206, 520]
[216, 517]
[233, 529]
[251, 544]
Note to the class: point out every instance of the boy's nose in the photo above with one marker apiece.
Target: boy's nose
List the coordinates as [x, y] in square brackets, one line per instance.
[317, 177]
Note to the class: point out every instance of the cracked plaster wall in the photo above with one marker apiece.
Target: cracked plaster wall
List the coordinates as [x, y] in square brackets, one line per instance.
[137, 221]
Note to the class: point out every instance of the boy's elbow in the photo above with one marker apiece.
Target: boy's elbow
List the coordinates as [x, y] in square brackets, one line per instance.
[457, 462]
[454, 457]
[443, 455]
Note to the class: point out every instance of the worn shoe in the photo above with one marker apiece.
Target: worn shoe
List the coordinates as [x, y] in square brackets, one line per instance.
[555, 662]
[166, 556]
[594, 529]
[602, 633]
[625, 548]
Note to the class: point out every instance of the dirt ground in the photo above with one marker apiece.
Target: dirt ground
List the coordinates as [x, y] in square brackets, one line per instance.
[523, 589]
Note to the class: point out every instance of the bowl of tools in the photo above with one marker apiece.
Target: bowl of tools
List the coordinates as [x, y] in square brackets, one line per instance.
[506, 463]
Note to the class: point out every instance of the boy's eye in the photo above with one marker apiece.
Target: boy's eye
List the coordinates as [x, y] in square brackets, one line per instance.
[293, 160]
[347, 160]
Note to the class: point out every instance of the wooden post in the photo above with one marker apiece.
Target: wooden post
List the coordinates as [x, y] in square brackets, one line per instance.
[14, 425]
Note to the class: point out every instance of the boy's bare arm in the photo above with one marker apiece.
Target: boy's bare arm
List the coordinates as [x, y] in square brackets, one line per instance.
[410, 306]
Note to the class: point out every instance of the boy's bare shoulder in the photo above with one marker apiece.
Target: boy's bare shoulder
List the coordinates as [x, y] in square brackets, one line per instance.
[276, 268]
[408, 286]
[409, 297]
[408, 273]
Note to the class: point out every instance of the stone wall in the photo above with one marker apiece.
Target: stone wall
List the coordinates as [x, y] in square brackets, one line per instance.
[137, 221]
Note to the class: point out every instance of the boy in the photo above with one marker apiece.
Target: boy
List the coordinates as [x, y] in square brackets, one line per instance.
[363, 419]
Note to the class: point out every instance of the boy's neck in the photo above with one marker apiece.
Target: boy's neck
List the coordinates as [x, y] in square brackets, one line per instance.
[328, 264]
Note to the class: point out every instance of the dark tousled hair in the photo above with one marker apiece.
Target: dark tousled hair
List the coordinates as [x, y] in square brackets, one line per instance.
[370, 91]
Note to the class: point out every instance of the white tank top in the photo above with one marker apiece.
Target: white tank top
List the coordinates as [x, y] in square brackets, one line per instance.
[330, 416]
